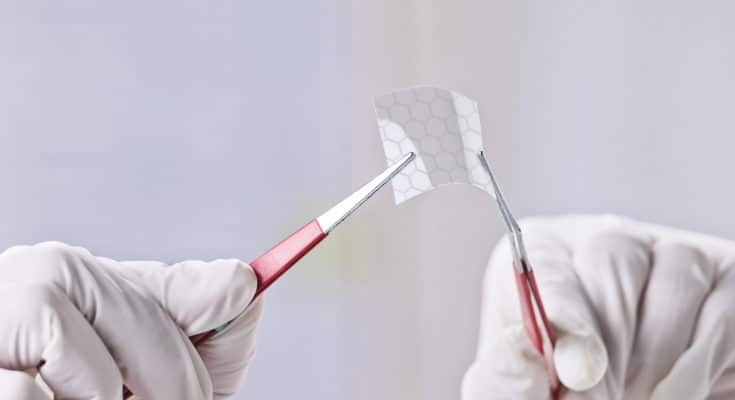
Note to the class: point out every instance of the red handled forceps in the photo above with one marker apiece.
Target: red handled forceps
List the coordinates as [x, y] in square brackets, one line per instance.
[269, 266]
[528, 292]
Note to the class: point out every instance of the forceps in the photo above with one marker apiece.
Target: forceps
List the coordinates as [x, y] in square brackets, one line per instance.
[275, 262]
[528, 292]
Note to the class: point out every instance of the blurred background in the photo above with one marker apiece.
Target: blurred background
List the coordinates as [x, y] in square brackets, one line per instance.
[191, 129]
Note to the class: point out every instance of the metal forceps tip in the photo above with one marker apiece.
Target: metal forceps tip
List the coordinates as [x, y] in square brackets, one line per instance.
[514, 230]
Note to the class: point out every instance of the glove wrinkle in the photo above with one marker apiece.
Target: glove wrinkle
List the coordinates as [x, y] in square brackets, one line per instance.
[681, 278]
[712, 350]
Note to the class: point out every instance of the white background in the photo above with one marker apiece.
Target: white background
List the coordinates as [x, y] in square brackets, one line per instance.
[192, 129]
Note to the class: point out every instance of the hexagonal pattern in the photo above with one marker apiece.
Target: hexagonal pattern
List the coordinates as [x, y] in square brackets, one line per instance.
[443, 128]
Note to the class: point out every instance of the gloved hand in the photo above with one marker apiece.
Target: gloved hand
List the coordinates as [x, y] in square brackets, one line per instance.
[640, 312]
[90, 324]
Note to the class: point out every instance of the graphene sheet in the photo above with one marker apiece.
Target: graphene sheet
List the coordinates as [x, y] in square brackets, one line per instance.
[443, 128]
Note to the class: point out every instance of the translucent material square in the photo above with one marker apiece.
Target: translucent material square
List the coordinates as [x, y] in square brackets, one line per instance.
[443, 128]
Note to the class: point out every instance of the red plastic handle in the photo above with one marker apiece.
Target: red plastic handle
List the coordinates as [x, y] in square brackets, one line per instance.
[540, 306]
[276, 261]
[529, 295]
[272, 264]
[529, 316]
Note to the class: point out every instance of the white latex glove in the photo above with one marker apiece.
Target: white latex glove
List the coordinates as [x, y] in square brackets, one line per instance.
[93, 324]
[640, 312]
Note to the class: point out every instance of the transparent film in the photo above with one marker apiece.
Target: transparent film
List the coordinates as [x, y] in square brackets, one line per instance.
[443, 128]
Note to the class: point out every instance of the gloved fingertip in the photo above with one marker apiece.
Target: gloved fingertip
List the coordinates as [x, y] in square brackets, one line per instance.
[580, 359]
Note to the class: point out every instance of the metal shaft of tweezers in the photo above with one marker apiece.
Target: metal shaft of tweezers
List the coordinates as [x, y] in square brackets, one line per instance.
[335, 215]
[516, 236]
